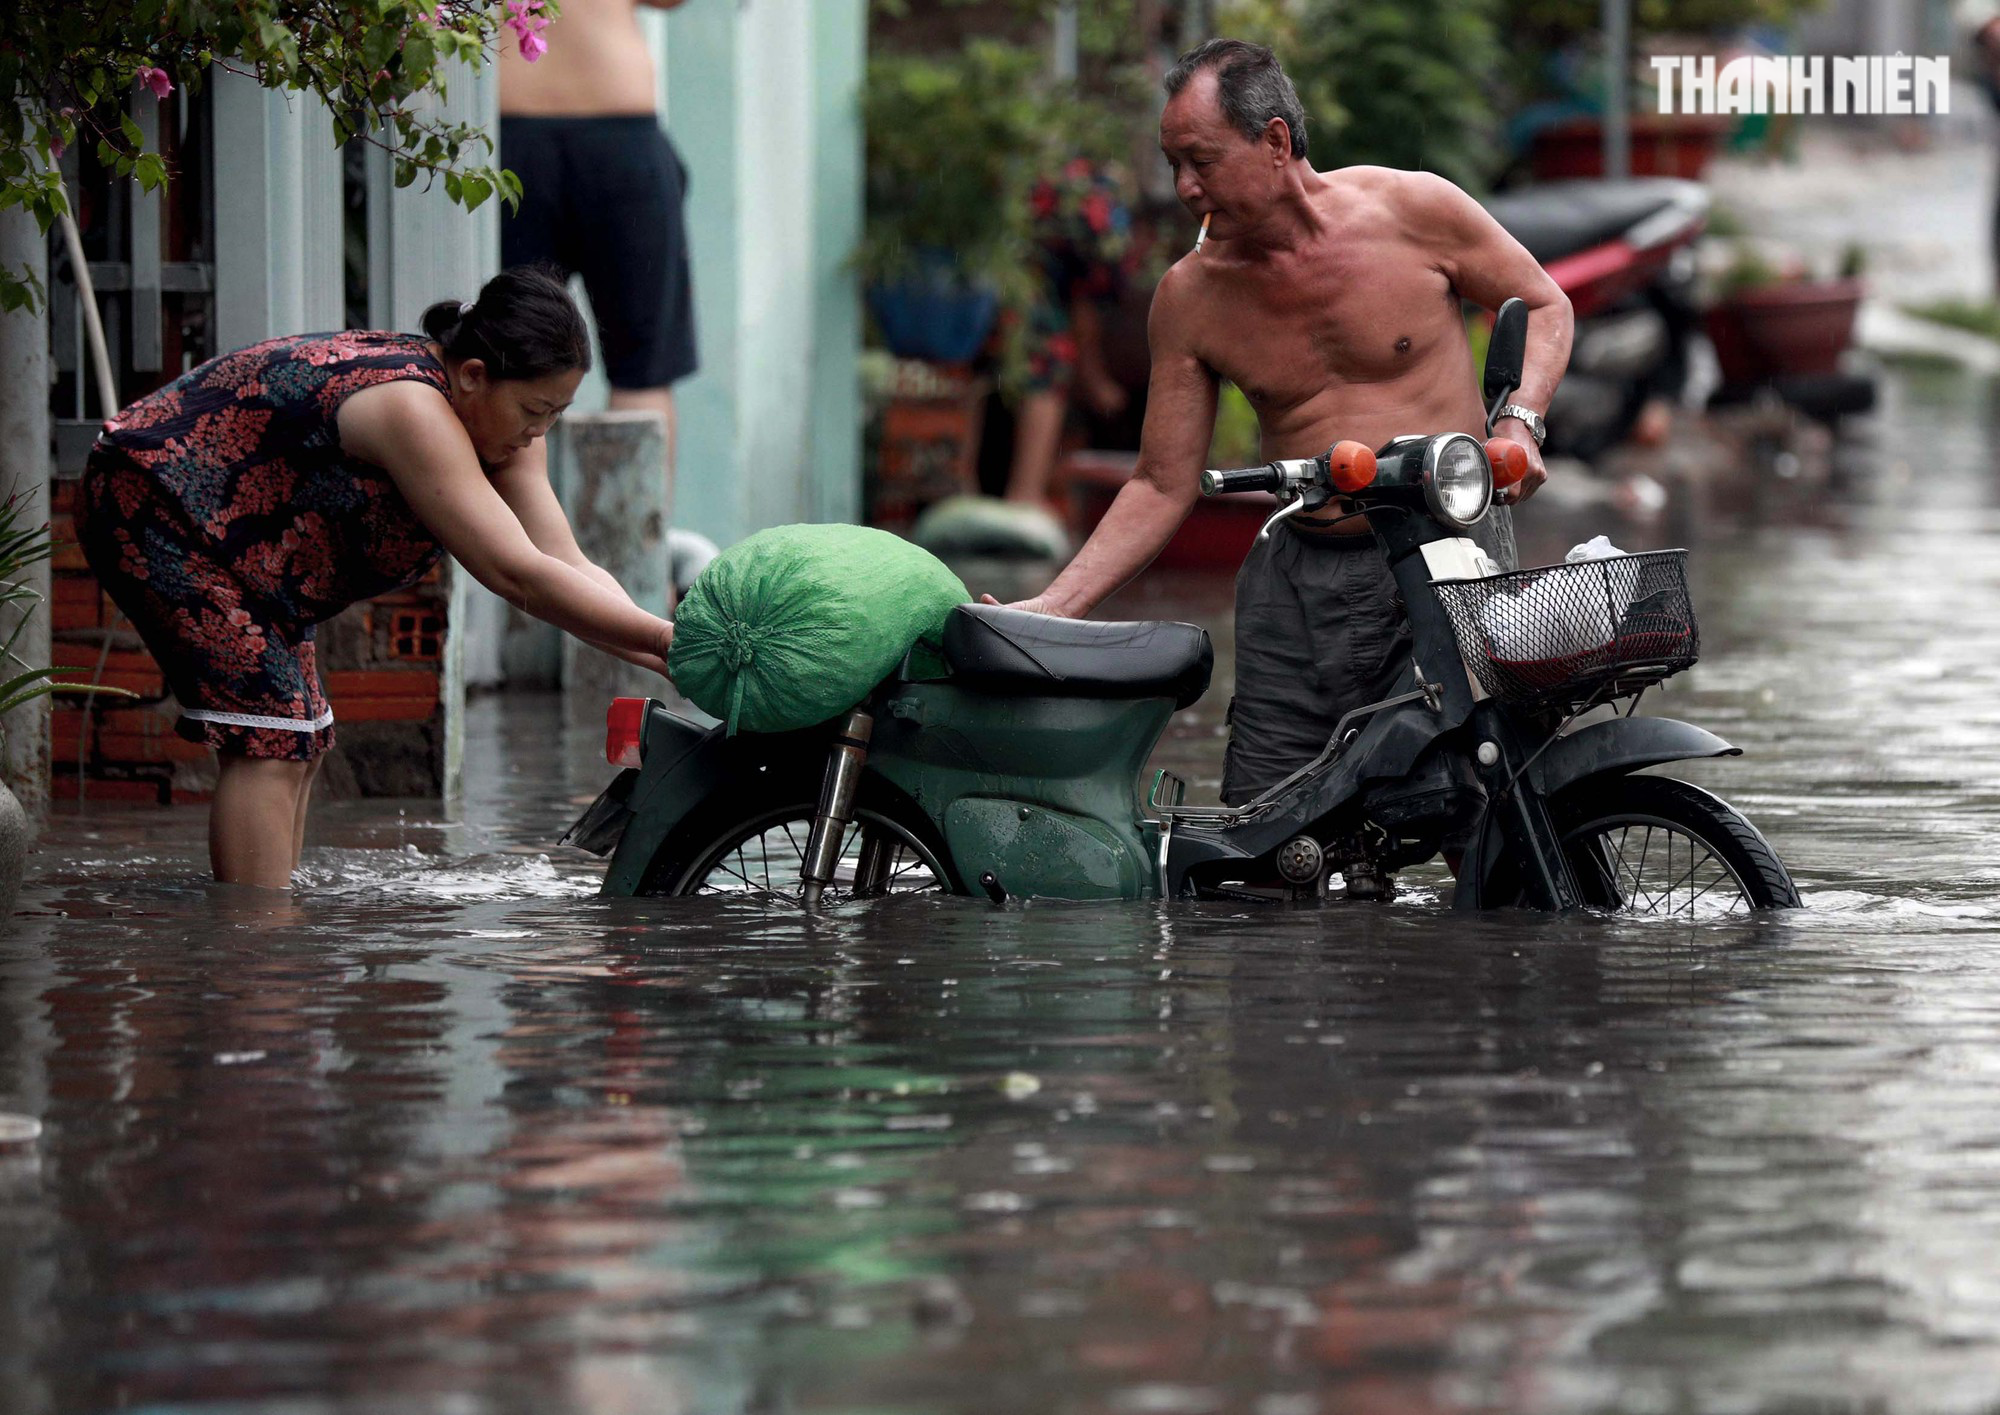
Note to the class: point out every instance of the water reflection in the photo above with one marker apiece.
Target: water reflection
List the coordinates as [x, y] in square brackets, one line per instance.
[451, 1134]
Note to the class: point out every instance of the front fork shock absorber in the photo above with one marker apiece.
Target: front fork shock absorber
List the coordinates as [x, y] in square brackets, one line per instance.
[836, 803]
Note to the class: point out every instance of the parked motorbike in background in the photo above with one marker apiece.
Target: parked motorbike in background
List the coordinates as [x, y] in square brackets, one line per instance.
[1623, 251]
[1011, 769]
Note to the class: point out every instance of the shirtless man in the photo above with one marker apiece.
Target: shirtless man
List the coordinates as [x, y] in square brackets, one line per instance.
[602, 189]
[1332, 300]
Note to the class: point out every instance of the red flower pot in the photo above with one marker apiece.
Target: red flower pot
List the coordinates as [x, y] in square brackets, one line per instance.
[1663, 145]
[1799, 327]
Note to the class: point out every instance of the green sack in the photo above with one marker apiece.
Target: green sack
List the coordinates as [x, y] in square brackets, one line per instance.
[798, 623]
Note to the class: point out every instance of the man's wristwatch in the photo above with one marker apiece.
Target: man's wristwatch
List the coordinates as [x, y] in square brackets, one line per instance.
[1537, 429]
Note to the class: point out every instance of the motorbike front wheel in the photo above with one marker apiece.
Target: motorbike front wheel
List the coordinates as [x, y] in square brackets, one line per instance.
[1656, 847]
[758, 851]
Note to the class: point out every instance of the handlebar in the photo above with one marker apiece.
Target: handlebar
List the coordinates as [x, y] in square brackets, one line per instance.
[1349, 467]
[1264, 478]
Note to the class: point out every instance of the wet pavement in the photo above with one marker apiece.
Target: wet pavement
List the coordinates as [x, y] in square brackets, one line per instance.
[447, 1134]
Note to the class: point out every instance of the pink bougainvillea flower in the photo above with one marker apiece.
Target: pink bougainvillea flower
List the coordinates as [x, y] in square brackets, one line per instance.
[524, 17]
[156, 80]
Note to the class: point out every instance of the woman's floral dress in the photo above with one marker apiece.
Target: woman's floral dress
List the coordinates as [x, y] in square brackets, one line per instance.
[1083, 235]
[221, 515]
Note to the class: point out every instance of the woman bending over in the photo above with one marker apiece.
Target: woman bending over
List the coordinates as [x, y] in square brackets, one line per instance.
[268, 489]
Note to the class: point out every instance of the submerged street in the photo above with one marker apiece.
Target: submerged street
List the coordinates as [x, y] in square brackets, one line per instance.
[450, 1134]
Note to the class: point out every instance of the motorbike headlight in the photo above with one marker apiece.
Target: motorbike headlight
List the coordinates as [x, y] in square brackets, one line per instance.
[1458, 482]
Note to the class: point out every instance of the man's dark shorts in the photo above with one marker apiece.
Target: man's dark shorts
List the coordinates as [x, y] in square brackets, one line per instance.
[601, 198]
[1319, 631]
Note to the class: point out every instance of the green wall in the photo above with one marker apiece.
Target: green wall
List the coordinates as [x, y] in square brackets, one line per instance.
[762, 99]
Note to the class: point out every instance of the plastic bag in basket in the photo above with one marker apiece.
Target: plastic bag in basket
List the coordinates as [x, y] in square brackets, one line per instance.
[1545, 619]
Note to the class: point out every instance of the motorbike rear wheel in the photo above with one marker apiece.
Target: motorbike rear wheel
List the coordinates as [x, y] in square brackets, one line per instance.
[1655, 847]
[757, 850]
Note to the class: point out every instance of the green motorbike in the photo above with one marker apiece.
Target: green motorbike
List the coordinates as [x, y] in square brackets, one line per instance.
[1014, 773]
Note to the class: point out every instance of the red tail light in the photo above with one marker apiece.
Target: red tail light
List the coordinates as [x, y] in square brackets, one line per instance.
[624, 726]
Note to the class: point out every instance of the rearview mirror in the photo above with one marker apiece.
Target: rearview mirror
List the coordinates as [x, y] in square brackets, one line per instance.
[1506, 351]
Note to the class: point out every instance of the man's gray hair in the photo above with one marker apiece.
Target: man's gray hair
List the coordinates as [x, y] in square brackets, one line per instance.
[1252, 86]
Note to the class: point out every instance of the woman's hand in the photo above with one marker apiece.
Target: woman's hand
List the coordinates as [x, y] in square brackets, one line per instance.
[666, 643]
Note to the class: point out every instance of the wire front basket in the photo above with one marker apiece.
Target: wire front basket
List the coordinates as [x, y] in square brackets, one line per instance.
[1563, 635]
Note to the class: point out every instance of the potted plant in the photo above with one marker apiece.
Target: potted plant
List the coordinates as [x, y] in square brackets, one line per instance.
[21, 547]
[953, 143]
[1769, 320]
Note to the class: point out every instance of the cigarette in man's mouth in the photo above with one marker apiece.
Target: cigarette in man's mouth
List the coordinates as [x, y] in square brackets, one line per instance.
[1206, 218]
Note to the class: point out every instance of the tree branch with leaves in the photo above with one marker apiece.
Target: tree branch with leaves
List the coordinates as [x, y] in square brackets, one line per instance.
[68, 67]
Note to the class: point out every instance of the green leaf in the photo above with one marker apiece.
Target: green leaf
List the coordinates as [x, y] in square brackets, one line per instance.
[406, 172]
[476, 190]
[33, 685]
[376, 47]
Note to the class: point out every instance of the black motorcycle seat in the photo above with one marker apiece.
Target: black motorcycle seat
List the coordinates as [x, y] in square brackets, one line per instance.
[1018, 654]
[1562, 218]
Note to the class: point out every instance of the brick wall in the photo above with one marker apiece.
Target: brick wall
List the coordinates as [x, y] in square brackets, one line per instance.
[380, 662]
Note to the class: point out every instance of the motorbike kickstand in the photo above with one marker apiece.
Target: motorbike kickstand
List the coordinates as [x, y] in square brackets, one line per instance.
[836, 810]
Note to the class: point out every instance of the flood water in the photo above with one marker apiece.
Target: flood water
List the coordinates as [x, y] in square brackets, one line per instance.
[448, 1134]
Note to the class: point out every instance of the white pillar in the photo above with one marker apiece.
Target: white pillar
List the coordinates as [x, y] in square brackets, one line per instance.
[25, 465]
[618, 506]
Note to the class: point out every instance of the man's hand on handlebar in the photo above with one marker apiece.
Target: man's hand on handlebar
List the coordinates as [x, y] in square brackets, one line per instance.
[1514, 430]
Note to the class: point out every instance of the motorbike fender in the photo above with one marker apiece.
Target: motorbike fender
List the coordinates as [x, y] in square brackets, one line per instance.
[1622, 745]
[1613, 748]
[599, 829]
[683, 763]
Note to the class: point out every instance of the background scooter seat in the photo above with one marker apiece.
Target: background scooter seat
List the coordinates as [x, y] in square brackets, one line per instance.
[1563, 218]
[1013, 652]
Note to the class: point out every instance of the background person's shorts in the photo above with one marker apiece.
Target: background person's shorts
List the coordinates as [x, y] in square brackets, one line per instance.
[601, 197]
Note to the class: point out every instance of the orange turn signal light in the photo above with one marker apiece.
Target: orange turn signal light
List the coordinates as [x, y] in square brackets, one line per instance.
[1350, 466]
[1508, 458]
[624, 727]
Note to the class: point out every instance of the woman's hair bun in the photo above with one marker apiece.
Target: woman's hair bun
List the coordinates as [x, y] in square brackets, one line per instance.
[524, 325]
[442, 318]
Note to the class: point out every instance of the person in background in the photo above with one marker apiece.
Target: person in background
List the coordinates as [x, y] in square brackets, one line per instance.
[1978, 23]
[266, 490]
[1082, 234]
[602, 190]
